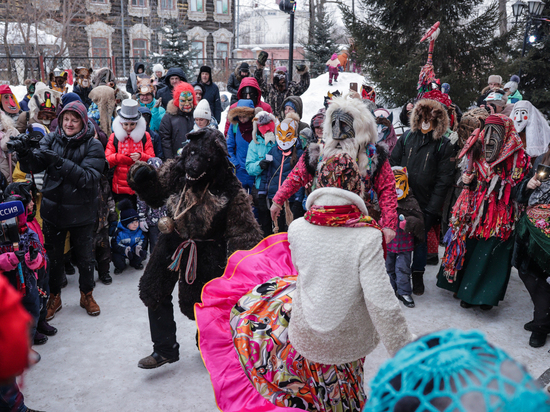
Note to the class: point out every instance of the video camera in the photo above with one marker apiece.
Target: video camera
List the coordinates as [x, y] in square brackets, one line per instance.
[9, 229]
[25, 141]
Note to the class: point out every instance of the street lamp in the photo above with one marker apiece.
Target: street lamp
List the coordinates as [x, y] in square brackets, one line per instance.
[535, 7]
[534, 10]
[517, 9]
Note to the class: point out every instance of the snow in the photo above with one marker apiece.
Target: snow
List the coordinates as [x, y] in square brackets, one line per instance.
[14, 35]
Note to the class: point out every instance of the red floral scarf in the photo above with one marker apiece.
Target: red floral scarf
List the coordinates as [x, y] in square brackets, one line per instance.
[345, 216]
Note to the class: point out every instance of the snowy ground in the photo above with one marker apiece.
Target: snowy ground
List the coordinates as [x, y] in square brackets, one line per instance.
[91, 364]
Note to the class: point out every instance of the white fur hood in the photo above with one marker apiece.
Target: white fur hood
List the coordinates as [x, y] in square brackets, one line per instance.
[136, 135]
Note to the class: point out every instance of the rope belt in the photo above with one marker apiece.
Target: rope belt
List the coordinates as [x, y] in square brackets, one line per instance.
[191, 267]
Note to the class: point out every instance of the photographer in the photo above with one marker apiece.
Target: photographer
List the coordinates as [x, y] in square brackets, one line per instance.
[73, 161]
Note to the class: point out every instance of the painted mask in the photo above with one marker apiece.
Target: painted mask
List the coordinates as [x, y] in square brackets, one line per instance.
[286, 134]
[426, 126]
[83, 77]
[401, 182]
[520, 116]
[465, 129]
[342, 125]
[186, 102]
[251, 93]
[58, 80]
[493, 141]
[9, 105]
[46, 108]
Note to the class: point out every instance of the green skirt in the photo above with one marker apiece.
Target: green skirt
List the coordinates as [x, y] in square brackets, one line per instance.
[484, 277]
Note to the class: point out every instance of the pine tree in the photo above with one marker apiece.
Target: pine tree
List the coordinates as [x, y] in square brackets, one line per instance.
[176, 48]
[322, 47]
[466, 52]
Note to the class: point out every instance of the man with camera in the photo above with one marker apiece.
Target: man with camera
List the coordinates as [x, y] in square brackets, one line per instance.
[73, 161]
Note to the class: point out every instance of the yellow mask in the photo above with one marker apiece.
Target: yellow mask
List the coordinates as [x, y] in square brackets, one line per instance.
[401, 183]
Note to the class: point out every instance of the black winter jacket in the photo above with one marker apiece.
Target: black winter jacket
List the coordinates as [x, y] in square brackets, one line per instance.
[166, 92]
[70, 190]
[429, 165]
[173, 130]
[83, 93]
[212, 94]
[131, 83]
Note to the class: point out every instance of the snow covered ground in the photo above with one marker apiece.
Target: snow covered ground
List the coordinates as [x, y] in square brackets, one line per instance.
[91, 364]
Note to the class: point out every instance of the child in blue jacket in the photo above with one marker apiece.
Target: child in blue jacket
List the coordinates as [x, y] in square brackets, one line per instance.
[129, 242]
[239, 136]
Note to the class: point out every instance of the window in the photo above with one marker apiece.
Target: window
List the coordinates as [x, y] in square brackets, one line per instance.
[98, 1]
[167, 4]
[140, 49]
[198, 46]
[196, 5]
[222, 6]
[139, 3]
[222, 50]
[100, 51]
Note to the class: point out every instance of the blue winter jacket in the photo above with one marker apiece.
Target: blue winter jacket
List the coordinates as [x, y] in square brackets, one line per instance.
[278, 171]
[256, 153]
[236, 145]
[126, 237]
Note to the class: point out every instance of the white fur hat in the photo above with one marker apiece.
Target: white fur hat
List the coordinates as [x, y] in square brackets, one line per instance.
[158, 68]
[202, 111]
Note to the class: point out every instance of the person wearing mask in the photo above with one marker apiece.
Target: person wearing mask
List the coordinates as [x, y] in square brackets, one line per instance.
[241, 71]
[173, 77]
[30, 84]
[146, 98]
[211, 91]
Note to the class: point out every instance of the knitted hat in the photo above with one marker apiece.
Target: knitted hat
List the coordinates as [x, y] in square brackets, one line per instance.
[127, 212]
[513, 84]
[318, 119]
[334, 56]
[70, 97]
[15, 322]
[495, 78]
[339, 171]
[445, 88]
[454, 370]
[202, 111]
[245, 67]
[289, 103]
[158, 68]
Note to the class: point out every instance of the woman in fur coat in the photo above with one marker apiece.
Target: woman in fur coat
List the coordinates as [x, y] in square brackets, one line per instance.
[128, 143]
[7, 130]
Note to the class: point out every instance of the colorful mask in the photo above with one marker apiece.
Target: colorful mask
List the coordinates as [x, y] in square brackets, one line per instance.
[493, 140]
[9, 104]
[58, 80]
[401, 182]
[83, 76]
[287, 134]
[342, 125]
[186, 102]
[383, 123]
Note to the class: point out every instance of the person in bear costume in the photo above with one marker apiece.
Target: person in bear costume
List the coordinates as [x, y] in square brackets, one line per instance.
[209, 217]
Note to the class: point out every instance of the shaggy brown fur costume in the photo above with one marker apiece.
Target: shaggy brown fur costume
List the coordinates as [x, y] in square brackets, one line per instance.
[214, 211]
[105, 98]
[430, 111]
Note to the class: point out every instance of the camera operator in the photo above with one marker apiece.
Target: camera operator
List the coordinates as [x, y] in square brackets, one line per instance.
[73, 161]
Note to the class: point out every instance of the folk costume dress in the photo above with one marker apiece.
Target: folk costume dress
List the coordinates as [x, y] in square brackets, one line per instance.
[282, 329]
[477, 261]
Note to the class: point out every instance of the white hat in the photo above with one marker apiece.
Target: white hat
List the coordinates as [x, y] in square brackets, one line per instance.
[158, 68]
[202, 111]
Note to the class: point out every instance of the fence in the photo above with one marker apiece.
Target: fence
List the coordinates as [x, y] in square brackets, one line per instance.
[15, 69]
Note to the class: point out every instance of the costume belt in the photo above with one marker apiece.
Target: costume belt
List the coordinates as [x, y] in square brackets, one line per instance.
[191, 267]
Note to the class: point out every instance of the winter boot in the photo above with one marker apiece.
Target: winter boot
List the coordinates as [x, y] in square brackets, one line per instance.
[155, 360]
[432, 259]
[53, 306]
[45, 328]
[69, 268]
[418, 282]
[39, 338]
[330, 83]
[88, 302]
[105, 278]
[407, 300]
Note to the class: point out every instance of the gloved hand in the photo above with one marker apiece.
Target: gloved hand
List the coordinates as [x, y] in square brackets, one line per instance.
[158, 103]
[141, 252]
[10, 260]
[143, 226]
[33, 253]
[430, 220]
[51, 158]
[112, 228]
[138, 249]
[19, 145]
[20, 254]
[301, 68]
[264, 164]
[128, 252]
[262, 58]
[144, 174]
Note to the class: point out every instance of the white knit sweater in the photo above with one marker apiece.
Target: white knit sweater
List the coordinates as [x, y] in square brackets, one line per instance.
[344, 302]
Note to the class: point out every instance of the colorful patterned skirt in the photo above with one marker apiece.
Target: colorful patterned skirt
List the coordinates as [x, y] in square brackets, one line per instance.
[243, 338]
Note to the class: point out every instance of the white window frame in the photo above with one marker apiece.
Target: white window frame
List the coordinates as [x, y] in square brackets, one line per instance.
[102, 30]
[139, 32]
[98, 6]
[222, 17]
[222, 36]
[139, 11]
[197, 15]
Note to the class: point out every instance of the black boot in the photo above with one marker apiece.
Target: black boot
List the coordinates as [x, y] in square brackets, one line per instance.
[105, 278]
[418, 282]
[45, 328]
[537, 339]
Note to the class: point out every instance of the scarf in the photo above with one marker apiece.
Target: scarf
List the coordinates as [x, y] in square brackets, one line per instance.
[344, 216]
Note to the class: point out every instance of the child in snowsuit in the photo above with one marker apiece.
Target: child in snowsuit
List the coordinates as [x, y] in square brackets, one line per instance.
[149, 217]
[399, 250]
[129, 241]
[333, 66]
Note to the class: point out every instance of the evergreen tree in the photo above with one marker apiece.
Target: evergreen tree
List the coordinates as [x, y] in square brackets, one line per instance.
[322, 47]
[466, 52]
[176, 48]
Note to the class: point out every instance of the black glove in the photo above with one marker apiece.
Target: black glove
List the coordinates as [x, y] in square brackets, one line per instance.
[144, 174]
[20, 255]
[51, 158]
[33, 252]
[19, 145]
[300, 68]
[142, 254]
[430, 220]
[264, 164]
[262, 58]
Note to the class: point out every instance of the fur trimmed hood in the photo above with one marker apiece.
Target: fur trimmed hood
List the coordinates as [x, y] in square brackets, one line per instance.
[136, 135]
[430, 110]
[237, 111]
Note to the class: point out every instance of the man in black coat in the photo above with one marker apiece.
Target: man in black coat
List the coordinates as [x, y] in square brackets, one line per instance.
[426, 153]
[131, 84]
[173, 77]
[73, 161]
[241, 71]
[211, 92]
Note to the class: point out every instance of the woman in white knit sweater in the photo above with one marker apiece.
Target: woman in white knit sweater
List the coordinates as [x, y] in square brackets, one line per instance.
[291, 321]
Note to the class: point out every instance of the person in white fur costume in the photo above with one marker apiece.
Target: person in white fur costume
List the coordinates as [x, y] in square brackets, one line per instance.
[532, 128]
[301, 315]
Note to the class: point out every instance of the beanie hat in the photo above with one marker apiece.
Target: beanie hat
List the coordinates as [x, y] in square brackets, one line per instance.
[318, 119]
[127, 212]
[334, 56]
[265, 123]
[158, 68]
[289, 103]
[202, 111]
[445, 88]
[495, 78]
[454, 370]
[513, 84]
[14, 332]
[70, 97]
[156, 162]
[245, 67]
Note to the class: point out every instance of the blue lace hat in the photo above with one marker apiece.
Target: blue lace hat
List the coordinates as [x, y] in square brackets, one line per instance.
[454, 371]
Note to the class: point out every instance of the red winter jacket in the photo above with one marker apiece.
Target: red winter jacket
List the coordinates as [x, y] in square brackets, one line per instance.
[121, 158]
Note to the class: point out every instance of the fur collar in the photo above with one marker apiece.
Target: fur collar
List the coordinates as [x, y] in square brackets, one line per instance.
[136, 135]
[237, 111]
[426, 109]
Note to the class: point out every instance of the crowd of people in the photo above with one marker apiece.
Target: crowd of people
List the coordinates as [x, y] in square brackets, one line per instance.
[107, 176]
